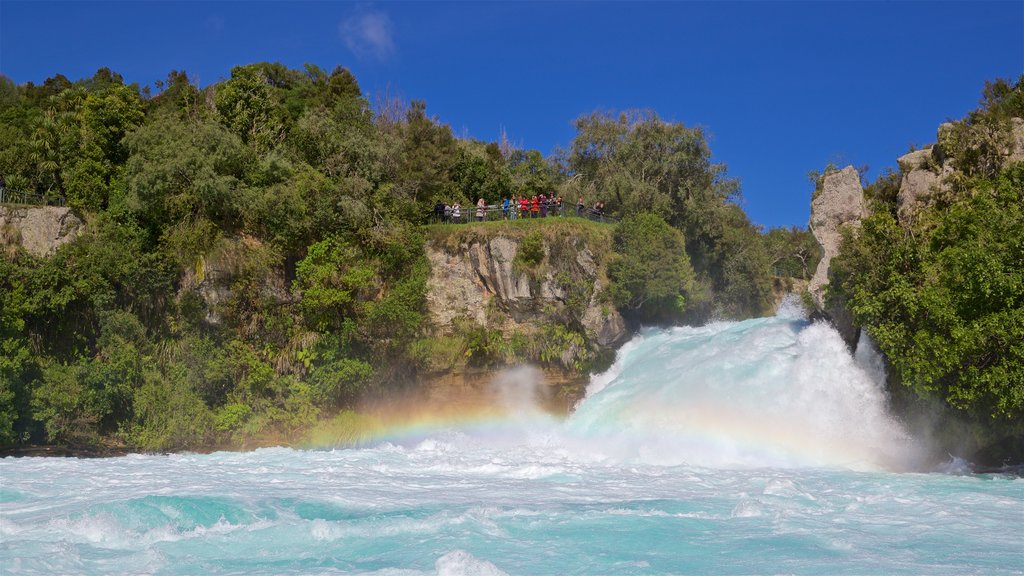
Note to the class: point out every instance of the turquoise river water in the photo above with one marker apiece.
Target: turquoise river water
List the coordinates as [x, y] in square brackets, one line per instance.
[756, 447]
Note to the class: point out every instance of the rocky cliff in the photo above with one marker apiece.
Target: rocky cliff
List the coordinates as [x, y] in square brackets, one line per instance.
[40, 230]
[480, 276]
[838, 207]
[925, 175]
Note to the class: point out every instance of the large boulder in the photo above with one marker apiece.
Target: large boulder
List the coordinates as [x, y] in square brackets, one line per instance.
[40, 230]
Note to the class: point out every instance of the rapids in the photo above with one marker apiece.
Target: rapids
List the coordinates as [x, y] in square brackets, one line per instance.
[736, 448]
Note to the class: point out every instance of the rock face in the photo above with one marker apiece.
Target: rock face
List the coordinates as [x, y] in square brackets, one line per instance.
[478, 281]
[1017, 154]
[215, 273]
[923, 175]
[40, 230]
[925, 171]
[839, 206]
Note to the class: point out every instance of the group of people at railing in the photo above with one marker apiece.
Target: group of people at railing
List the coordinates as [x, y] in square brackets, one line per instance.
[514, 208]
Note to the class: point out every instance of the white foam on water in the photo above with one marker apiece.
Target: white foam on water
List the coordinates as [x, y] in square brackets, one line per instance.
[767, 392]
[734, 448]
[462, 563]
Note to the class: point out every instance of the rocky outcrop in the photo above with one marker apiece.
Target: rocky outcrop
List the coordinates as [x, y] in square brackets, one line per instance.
[1017, 153]
[839, 206]
[923, 174]
[214, 275]
[926, 171]
[40, 230]
[478, 280]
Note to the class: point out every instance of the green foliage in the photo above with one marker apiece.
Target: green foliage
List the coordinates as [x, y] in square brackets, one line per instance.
[438, 353]
[426, 163]
[347, 428]
[8, 411]
[531, 250]
[564, 346]
[231, 417]
[169, 416]
[977, 145]
[793, 251]
[818, 177]
[248, 106]
[399, 315]
[946, 303]
[637, 163]
[530, 174]
[649, 272]
[15, 356]
[334, 283]
[481, 171]
[883, 191]
[179, 172]
[334, 376]
[63, 404]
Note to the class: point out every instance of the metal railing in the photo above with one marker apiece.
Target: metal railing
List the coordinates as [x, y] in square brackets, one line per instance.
[496, 212]
[8, 196]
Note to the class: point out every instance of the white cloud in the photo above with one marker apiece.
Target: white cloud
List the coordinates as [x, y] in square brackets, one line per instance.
[368, 34]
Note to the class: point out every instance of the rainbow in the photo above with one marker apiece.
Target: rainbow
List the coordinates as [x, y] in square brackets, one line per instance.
[769, 392]
[709, 437]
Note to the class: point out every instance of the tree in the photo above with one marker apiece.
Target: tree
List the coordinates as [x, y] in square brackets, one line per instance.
[250, 107]
[649, 272]
[179, 172]
[793, 252]
[426, 162]
[636, 162]
[334, 285]
[641, 163]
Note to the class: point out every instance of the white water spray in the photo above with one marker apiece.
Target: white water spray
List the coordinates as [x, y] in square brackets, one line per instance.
[775, 391]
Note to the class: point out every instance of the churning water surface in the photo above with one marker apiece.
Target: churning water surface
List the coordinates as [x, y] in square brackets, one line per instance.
[755, 447]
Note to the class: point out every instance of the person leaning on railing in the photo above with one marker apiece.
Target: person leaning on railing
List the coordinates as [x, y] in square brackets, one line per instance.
[481, 208]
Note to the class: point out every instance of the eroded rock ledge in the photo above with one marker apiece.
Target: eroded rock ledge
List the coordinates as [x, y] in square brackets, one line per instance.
[40, 230]
[479, 280]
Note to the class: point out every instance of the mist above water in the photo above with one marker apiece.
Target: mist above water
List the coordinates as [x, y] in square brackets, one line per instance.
[777, 391]
[773, 392]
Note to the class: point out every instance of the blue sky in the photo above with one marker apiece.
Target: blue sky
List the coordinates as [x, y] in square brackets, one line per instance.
[783, 87]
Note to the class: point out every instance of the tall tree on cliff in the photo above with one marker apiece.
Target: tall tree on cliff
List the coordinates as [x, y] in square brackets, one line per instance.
[636, 162]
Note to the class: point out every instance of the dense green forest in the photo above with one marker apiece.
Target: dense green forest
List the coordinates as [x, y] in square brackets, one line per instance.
[292, 174]
[943, 293]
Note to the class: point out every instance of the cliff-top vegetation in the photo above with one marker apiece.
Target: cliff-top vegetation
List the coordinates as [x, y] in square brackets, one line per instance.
[254, 254]
[940, 289]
